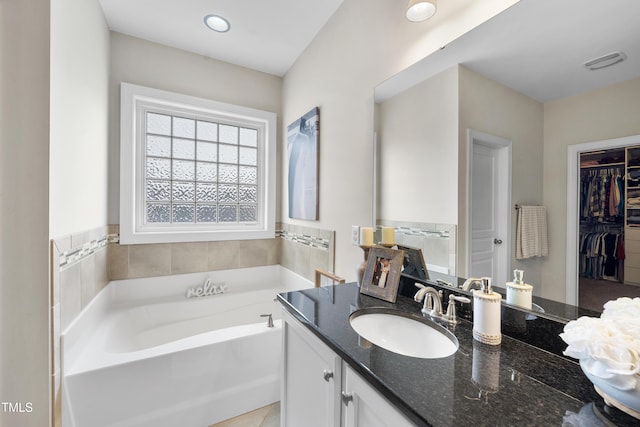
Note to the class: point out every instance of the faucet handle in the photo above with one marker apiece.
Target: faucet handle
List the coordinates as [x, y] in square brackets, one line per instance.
[444, 283]
[269, 320]
[459, 298]
[451, 308]
[420, 294]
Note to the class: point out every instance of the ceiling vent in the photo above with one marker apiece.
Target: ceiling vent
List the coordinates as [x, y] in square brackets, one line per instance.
[605, 61]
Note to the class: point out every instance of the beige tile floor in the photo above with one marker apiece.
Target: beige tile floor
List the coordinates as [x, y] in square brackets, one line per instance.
[268, 416]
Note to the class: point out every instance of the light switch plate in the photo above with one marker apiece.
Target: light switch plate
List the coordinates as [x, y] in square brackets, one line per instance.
[355, 235]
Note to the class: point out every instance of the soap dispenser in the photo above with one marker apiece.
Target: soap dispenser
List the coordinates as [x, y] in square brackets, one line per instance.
[518, 292]
[486, 314]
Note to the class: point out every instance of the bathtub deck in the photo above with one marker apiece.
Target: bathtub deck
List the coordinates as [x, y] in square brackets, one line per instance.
[139, 340]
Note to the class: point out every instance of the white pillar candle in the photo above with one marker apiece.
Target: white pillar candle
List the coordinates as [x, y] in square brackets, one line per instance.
[366, 236]
[388, 236]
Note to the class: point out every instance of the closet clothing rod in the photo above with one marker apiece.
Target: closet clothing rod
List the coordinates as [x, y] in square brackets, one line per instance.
[609, 165]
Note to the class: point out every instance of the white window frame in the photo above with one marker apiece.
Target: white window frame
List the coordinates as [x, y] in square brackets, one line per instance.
[134, 102]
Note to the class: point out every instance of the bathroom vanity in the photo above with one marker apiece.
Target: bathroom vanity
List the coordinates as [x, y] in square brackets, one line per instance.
[333, 377]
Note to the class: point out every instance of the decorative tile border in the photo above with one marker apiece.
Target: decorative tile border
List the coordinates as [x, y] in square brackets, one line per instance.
[304, 239]
[422, 232]
[77, 254]
[429, 237]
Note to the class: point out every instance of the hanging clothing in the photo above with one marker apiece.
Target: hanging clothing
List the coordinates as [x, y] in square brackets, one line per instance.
[601, 254]
[602, 206]
[614, 199]
[601, 197]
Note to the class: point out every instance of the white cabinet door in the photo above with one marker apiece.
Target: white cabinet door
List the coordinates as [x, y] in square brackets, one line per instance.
[365, 407]
[311, 379]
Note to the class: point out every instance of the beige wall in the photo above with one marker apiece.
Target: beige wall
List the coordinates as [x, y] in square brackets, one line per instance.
[78, 148]
[492, 108]
[153, 65]
[416, 127]
[24, 210]
[79, 116]
[540, 134]
[423, 169]
[598, 115]
[365, 42]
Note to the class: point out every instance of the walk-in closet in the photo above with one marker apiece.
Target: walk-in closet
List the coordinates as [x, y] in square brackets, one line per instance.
[609, 234]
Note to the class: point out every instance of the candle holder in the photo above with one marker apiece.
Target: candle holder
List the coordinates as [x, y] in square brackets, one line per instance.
[387, 245]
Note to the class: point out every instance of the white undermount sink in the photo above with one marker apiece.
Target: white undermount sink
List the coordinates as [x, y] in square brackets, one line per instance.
[401, 333]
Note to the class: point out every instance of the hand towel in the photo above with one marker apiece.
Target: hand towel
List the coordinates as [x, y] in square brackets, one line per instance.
[531, 232]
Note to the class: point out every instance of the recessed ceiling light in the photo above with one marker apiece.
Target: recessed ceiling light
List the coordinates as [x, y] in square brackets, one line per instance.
[420, 10]
[217, 23]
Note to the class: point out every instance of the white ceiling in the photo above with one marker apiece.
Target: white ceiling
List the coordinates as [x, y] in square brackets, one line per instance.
[265, 35]
[538, 48]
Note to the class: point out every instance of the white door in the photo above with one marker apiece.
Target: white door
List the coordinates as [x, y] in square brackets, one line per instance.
[489, 207]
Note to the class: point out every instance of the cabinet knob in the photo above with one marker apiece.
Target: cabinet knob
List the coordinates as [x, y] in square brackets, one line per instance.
[497, 241]
[327, 375]
[346, 398]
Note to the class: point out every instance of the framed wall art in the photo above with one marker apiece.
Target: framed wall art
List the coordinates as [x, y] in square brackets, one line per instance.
[302, 150]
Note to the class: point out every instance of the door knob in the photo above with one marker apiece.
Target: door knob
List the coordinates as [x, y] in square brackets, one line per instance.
[497, 241]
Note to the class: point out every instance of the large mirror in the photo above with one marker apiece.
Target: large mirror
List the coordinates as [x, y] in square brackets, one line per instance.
[512, 97]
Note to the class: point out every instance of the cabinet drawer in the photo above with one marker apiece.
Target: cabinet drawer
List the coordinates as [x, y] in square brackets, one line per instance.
[631, 274]
[632, 261]
[632, 247]
[631, 234]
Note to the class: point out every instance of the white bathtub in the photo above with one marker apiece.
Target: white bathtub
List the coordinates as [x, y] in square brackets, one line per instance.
[142, 354]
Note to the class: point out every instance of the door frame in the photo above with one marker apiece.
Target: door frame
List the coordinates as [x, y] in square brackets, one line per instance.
[506, 147]
[573, 205]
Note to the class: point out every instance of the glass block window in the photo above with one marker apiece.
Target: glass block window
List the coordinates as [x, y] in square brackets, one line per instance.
[197, 173]
[200, 171]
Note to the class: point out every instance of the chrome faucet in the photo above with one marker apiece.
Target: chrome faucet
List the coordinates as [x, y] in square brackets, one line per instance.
[468, 284]
[433, 303]
[269, 320]
[432, 300]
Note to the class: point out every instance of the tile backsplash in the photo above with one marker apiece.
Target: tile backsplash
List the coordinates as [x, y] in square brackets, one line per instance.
[134, 261]
[78, 272]
[304, 249]
[437, 241]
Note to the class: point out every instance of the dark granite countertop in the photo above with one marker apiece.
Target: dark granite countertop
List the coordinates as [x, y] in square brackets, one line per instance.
[511, 384]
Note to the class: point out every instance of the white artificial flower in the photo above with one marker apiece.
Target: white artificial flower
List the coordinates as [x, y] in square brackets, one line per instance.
[609, 346]
[624, 307]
